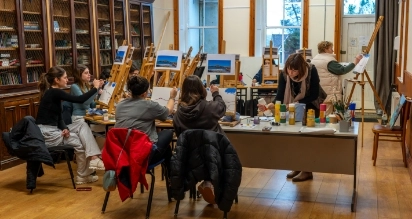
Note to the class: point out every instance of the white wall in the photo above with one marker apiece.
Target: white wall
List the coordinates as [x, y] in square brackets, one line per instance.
[321, 23]
[236, 26]
[160, 9]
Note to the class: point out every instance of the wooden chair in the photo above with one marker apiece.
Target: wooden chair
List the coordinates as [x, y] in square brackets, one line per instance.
[396, 134]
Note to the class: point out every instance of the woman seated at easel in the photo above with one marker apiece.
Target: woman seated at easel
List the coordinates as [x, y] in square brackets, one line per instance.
[195, 112]
[55, 132]
[138, 113]
[299, 83]
[329, 70]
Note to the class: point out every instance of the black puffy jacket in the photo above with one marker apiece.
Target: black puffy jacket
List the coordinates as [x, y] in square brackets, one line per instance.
[27, 143]
[206, 155]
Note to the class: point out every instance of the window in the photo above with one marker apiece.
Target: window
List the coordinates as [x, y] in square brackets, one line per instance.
[282, 23]
[199, 25]
[359, 7]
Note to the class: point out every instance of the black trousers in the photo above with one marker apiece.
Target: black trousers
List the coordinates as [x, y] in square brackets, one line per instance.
[163, 151]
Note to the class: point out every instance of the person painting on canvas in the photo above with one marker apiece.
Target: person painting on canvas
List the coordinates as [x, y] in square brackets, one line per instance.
[329, 70]
[138, 113]
[299, 83]
[195, 112]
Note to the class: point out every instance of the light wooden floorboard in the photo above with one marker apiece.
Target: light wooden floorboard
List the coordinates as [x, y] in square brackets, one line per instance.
[384, 191]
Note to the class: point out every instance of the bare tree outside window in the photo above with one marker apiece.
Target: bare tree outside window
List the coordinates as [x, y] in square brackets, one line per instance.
[283, 26]
[359, 7]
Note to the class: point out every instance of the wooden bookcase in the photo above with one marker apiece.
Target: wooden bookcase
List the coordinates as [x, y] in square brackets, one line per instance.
[141, 31]
[72, 34]
[31, 42]
[23, 43]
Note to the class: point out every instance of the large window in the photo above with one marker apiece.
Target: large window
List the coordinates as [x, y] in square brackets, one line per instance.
[199, 25]
[282, 24]
[359, 7]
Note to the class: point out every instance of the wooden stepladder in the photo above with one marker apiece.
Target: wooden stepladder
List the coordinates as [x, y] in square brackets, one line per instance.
[362, 82]
[118, 78]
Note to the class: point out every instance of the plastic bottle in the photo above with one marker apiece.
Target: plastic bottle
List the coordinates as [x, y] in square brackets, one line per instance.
[322, 114]
[277, 111]
[310, 118]
[291, 114]
[283, 114]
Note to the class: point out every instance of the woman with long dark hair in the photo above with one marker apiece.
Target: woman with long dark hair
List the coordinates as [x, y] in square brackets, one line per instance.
[195, 112]
[56, 132]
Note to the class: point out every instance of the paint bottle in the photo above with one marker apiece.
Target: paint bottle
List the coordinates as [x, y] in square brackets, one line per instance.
[277, 111]
[322, 114]
[283, 114]
[310, 118]
[291, 114]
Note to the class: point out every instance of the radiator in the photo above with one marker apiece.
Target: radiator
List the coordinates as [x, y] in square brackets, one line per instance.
[394, 103]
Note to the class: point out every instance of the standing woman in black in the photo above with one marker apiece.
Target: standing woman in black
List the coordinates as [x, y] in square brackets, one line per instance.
[55, 132]
[298, 83]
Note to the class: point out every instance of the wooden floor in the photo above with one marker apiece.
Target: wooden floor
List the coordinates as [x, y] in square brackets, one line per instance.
[384, 191]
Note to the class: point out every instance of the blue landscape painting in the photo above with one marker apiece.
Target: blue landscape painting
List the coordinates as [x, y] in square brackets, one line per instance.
[165, 61]
[219, 66]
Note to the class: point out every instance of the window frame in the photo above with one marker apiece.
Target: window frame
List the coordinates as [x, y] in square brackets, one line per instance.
[261, 29]
[181, 28]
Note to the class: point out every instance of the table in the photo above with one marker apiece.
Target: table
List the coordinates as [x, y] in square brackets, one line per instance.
[277, 149]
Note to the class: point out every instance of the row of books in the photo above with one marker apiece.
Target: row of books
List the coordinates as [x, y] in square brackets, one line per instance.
[33, 76]
[10, 78]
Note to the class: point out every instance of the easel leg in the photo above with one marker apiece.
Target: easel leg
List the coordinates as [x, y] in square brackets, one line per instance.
[363, 107]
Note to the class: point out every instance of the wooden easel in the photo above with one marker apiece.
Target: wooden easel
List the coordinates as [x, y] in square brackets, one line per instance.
[165, 81]
[365, 73]
[148, 63]
[273, 69]
[229, 81]
[190, 69]
[119, 75]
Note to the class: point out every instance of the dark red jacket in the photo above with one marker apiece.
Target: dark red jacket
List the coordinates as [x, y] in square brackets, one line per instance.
[132, 162]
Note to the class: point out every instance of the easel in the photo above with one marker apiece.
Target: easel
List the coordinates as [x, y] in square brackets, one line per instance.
[119, 75]
[165, 81]
[149, 59]
[191, 67]
[229, 81]
[362, 81]
[148, 62]
[273, 74]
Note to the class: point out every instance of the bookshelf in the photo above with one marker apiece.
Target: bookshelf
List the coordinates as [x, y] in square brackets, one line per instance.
[83, 37]
[23, 43]
[119, 24]
[63, 37]
[105, 32]
[141, 31]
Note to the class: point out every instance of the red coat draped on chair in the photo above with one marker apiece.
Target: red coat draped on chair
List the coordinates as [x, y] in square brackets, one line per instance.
[132, 162]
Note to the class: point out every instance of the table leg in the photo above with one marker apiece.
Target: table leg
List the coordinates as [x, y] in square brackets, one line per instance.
[354, 193]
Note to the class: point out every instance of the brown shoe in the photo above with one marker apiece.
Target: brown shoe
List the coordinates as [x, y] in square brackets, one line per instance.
[303, 176]
[206, 189]
[292, 174]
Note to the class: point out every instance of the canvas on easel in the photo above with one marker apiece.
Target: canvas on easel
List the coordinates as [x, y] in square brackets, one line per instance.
[361, 66]
[113, 90]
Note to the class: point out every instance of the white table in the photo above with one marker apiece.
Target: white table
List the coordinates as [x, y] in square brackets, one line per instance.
[285, 147]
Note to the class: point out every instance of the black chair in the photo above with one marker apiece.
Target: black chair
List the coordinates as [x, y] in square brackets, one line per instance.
[150, 170]
[58, 149]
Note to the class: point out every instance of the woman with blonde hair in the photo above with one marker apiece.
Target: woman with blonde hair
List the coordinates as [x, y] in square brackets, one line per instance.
[56, 132]
[329, 70]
